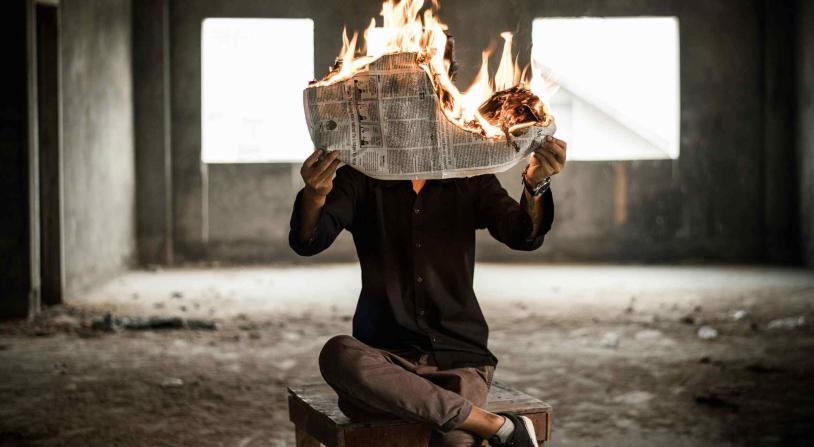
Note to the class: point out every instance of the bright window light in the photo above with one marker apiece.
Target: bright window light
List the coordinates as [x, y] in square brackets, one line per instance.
[618, 96]
[253, 75]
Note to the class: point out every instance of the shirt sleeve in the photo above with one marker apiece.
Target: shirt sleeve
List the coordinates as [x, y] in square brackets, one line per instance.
[507, 220]
[337, 214]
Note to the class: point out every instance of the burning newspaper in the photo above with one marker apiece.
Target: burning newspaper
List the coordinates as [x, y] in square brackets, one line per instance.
[394, 114]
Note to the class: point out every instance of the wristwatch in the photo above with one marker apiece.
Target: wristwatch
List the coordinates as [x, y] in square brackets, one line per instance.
[536, 190]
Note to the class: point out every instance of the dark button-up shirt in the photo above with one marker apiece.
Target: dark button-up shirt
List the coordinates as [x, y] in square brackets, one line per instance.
[417, 254]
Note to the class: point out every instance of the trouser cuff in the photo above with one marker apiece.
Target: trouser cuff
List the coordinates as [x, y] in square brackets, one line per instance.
[458, 419]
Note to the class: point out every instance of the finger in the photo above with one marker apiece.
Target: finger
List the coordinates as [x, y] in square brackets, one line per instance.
[325, 162]
[312, 158]
[329, 172]
[555, 165]
[553, 162]
[557, 141]
[557, 151]
[542, 163]
[553, 142]
[547, 159]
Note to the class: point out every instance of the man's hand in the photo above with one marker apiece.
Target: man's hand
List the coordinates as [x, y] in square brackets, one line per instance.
[547, 159]
[319, 174]
[319, 181]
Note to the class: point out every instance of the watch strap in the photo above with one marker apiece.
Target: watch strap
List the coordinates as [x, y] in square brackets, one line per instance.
[536, 190]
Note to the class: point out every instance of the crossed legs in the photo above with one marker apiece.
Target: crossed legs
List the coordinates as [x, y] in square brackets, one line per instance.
[372, 381]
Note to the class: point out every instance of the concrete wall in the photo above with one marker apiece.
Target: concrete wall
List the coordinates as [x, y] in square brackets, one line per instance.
[152, 127]
[99, 166]
[18, 278]
[805, 123]
[706, 206]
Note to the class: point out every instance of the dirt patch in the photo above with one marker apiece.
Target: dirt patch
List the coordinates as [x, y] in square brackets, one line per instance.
[657, 384]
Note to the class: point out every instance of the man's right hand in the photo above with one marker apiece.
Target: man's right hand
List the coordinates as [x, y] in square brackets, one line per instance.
[319, 181]
[319, 174]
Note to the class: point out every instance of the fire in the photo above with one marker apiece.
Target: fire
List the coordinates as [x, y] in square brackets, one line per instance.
[482, 107]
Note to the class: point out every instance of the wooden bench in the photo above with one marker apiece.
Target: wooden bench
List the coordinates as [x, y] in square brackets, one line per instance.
[318, 419]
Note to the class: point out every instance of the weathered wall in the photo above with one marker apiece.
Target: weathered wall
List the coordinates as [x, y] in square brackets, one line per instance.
[152, 130]
[805, 123]
[706, 206]
[99, 165]
[17, 280]
[781, 180]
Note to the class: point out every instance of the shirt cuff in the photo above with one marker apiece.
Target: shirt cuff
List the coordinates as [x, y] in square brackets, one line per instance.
[547, 202]
[296, 226]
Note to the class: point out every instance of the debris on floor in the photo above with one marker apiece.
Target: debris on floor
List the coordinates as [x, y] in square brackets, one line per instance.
[613, 378]
[759, 368]
[172, 382]
[648, 335]
[787, 323]
[688, 320]
[707, 333]
[740, 314]
[610, 340]
[113, 323]
[713, 400]
[66, 322]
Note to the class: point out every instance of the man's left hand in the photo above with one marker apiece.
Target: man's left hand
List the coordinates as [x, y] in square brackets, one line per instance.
[547, 160]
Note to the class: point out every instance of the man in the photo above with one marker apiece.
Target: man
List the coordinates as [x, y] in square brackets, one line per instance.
[418, 349]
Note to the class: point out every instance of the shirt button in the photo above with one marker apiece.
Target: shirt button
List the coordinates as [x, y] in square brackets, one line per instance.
[419, 279]
[417, 210]
[418, 245]
[421, 312]
[434, 339]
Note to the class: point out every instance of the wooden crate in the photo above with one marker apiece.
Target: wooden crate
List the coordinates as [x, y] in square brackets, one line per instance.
[318, 420]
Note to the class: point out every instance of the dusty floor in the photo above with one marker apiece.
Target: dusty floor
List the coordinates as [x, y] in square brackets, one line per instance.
[615, 350]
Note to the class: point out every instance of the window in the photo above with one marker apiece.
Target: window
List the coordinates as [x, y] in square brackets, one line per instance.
[618, 79]
[253, 72]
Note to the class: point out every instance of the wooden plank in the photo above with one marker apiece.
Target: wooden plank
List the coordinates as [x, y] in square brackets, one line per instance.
[312, 422]
[541, 425]
[305, 440]
[405, 435]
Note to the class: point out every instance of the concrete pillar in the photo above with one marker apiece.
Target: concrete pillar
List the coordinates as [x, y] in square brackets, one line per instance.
[805, 123]
[19, 261]
[151, 77]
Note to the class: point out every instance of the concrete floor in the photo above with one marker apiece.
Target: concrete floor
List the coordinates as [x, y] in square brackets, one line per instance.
[614, 349]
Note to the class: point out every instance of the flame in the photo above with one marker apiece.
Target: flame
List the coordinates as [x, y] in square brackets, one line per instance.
[405, 29]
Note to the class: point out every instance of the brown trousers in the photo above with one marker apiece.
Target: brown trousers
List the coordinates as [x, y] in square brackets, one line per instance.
[406, 384]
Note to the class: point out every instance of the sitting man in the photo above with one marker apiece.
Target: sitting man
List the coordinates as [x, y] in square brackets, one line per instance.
[419, 344]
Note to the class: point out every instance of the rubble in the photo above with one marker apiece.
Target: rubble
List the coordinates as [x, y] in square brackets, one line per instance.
[787, 323]
[113, 323]
[648, 335]
[610, 340]
[715, 401]
[688, 320]
[172, 382]
[707, 333]
[66, 322]
[759, 368]
[740, 314]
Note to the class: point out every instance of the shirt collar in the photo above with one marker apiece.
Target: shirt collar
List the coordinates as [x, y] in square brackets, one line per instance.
[404, 183]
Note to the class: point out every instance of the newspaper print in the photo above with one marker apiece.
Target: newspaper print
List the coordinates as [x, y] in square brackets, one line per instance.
[386, 123]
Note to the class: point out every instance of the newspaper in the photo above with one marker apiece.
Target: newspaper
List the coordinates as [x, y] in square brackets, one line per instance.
[386, 123]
